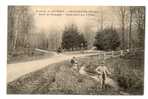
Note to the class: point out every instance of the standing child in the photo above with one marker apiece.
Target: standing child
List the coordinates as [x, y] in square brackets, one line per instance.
[102, 71]
[74, 63]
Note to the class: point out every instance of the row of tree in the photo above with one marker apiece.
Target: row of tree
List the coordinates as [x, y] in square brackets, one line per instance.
[107, 39]
[129, 34]
[20, 25]
[132, 19]
[44, 40]
[22, 33]
[132, 24]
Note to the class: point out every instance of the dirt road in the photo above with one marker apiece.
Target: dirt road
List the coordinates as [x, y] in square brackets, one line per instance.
[17, 70]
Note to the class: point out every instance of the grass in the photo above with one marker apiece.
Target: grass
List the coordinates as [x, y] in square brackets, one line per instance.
[23, 55]
[129, 72]
[55, 79]
[61, 79]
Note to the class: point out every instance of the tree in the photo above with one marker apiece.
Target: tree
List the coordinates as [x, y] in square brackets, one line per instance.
[107, 39]
[122, 13]
[82, 41]
[140, 23]
[89, 35]
[54, 39]
[11, 11]
[101, 19]
[20, 24]
[131, 12]
[71, 38]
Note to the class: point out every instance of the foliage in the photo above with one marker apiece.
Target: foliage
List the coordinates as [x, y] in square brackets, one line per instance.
[128, 71]
[72, 39]
[107, 39]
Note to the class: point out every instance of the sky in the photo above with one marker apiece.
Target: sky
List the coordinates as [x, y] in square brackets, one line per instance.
[50, 18]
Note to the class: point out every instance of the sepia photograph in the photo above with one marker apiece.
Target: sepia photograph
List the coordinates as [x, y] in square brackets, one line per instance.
[75, 50]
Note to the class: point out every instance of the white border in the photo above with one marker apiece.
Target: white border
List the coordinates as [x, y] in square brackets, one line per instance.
[3, 41]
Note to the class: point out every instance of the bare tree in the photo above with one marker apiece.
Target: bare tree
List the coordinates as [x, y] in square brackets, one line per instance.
[89, 35]
[134, 17]
[140, 23]
[20, 22]
[101, 19]
[12, 34]
[131, 12]
[123, 13]
[54, 39]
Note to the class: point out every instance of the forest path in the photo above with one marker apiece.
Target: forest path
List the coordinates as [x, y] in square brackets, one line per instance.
[17, 70]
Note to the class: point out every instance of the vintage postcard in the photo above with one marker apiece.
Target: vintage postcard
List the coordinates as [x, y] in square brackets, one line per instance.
[76, 50]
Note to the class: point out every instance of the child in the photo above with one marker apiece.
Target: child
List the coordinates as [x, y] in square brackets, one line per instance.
[102, 71]
[74, 63]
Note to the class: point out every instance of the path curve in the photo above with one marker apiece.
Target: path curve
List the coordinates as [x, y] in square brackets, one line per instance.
[17, 70]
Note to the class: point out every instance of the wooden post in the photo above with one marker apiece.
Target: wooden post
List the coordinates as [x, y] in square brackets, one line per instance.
[128, 50]
[104, 55]
[98, 55]
[112, 53]
[121, 52]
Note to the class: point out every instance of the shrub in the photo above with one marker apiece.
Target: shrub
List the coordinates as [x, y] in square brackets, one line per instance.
[107, 39]
[129, 74]
[72, 39]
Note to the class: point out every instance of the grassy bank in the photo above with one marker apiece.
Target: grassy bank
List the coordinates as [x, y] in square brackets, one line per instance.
[56, 79]
[61, 79]
[128, 71]
[23, 55]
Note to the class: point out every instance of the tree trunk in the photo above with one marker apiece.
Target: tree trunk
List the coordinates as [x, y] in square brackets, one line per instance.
[130, 28]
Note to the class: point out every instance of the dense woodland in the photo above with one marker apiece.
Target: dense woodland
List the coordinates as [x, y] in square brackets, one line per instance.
[130, 33]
